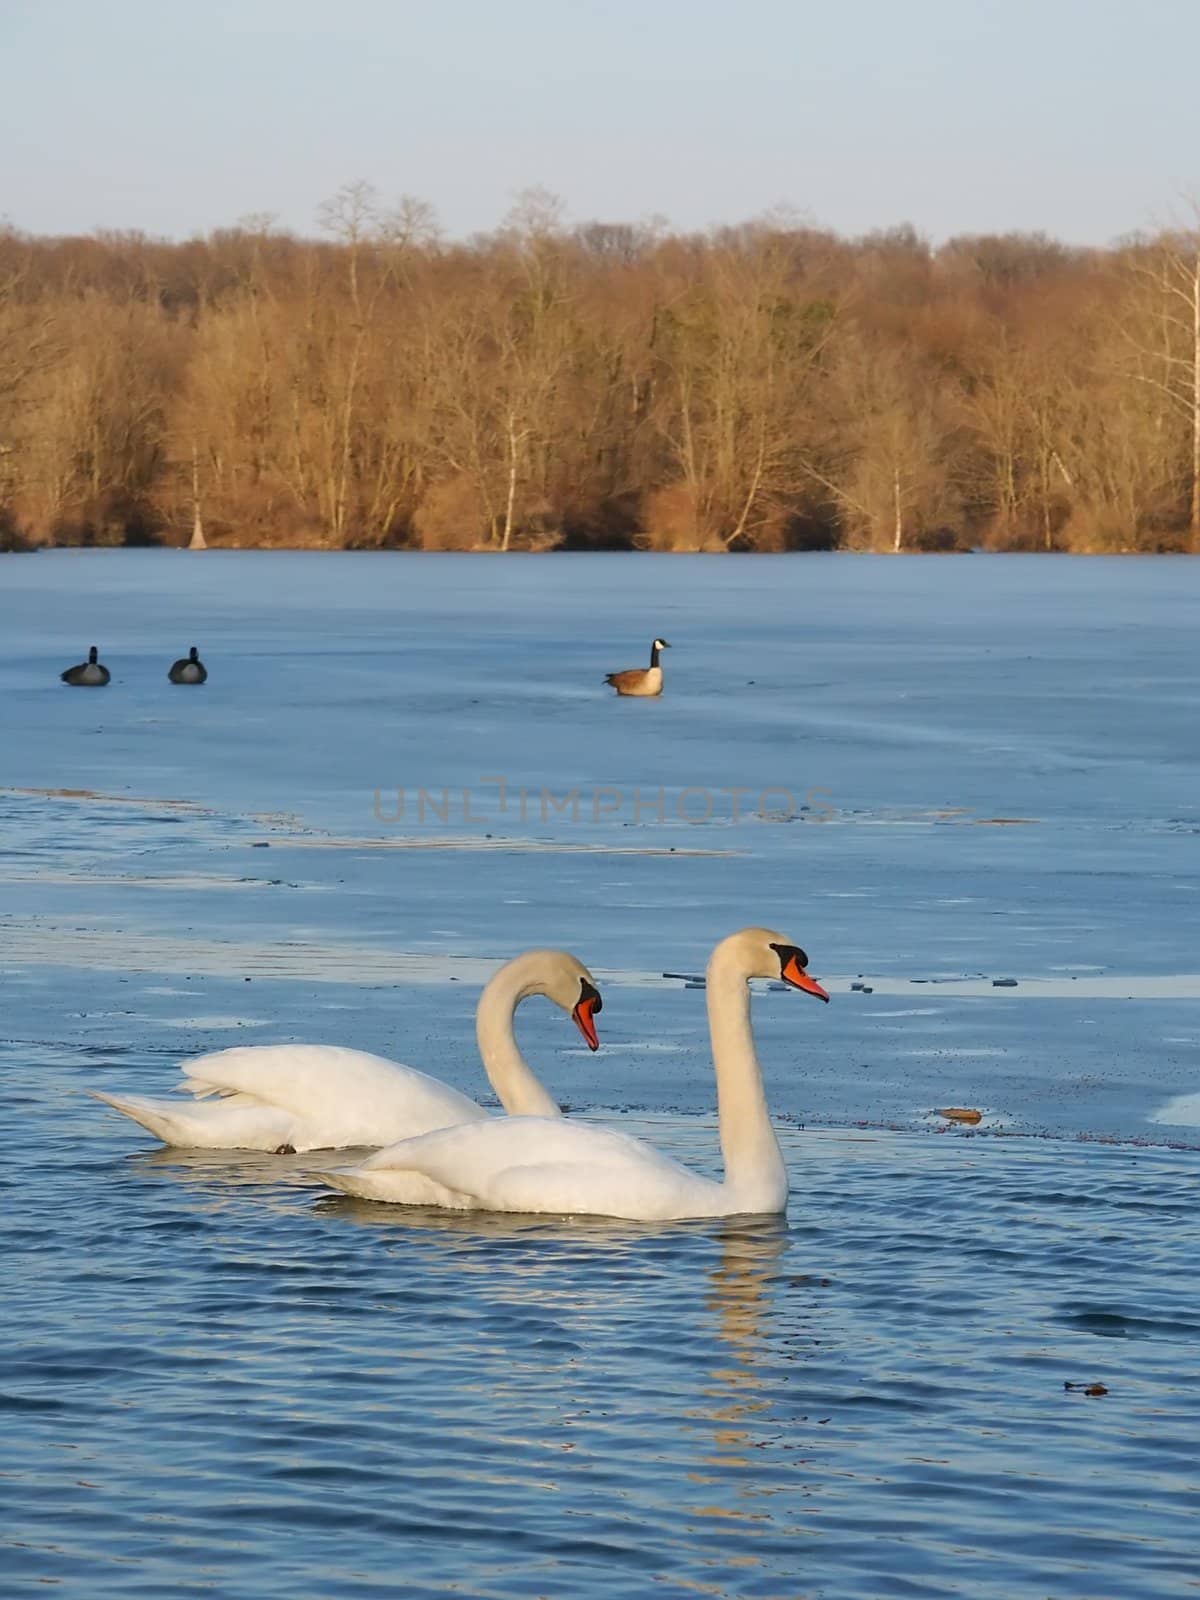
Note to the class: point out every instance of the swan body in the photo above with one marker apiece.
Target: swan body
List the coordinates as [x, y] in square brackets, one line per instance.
[316, 1097]
[188, 669]
[89, 674]
[539, 1164]
[641, 680]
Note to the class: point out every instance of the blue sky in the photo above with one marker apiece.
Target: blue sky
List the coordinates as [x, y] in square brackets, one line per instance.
[1079, 117]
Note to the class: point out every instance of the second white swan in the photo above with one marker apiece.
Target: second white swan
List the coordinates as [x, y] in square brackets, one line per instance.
[539, 1164]
[295, 1097]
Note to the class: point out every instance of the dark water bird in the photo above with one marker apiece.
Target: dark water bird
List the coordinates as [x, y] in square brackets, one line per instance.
[641, 680]
[89, 674]
[189, 669]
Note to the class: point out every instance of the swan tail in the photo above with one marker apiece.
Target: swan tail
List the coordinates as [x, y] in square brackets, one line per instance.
[354, 1181]
[397, 1186]
[205, 1126]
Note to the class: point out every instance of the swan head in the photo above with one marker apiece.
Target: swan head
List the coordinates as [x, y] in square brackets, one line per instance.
[566, 981]
[763, 953]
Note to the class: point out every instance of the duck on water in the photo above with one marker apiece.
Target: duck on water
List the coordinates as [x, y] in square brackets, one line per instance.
[89, 674]
[189, 668]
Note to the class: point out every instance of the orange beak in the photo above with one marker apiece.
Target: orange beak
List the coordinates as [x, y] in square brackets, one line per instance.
[799, 979]
[582, 1018]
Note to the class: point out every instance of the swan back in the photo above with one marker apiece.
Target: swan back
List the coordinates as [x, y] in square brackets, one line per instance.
[334, 1096]
[534, 1164]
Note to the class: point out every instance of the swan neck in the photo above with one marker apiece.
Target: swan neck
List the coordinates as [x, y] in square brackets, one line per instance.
[509, 1074]
[754, 1167]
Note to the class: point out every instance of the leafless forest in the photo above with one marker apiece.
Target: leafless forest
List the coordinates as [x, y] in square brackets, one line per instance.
[764, 387]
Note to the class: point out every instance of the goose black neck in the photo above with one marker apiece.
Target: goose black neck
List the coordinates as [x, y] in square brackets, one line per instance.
[653, 655]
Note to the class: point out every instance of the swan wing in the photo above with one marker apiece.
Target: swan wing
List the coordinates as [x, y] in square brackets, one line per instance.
[536, 1164]
[335, 1096]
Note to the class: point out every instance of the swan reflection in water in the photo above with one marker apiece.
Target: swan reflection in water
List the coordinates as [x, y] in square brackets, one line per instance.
[738, 1282]
[287, 1184]
[593, 1307]
[740, 1301]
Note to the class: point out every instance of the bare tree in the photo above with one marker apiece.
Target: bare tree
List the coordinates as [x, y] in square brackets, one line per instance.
[888, 453]
[1162, 333]
[738, 350]
[753, 387]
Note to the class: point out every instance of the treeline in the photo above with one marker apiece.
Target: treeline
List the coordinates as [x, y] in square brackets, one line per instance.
[769, 387]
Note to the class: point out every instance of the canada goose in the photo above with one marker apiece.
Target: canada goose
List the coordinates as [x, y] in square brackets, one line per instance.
[641, 680]
[89, 674]
[191, 670]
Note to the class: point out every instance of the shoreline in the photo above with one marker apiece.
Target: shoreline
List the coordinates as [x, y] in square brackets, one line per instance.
[575, 550]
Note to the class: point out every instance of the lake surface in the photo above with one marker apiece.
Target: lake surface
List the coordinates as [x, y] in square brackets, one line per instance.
[932, 773]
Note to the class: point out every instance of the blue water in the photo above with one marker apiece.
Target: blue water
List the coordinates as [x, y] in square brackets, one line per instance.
[217, 1379]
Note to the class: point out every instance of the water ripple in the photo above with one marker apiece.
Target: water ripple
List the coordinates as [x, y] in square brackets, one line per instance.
[225, 1380]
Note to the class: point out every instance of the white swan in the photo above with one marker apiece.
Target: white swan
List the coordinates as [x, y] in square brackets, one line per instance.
[285, 1097]
[536, 1164]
